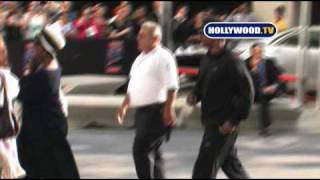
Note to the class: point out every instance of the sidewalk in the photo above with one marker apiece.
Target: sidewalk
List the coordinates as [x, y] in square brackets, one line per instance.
[107, 154]
[291, 152]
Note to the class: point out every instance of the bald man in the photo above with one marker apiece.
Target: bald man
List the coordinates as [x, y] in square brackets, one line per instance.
[152, 91]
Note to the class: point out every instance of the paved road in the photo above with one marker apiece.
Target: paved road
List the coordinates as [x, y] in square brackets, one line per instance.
[107, 153]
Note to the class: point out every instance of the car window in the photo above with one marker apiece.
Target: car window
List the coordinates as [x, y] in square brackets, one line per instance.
[291, 41]
[314, 39]
[281, 35]
[276, 38]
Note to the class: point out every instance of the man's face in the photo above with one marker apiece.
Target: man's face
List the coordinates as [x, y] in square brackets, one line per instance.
[124, 12]
[256, 52]
[145, 40]
[277, 15]
[141, 13]
[66, 5]
[86, 12]
[156, 5]
[100, 11]
[214, 44]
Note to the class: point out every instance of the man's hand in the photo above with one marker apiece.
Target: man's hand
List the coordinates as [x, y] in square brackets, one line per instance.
[121, 114]
[191, 100]
[227, 128]
[269, 90]
[123, 110]
[26, 72]
[169, 116]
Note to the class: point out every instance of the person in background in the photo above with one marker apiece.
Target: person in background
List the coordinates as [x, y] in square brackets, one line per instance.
[34, 20]
[195, 29]
[66, 7]
[156, 12]
[152, 90]
[115, 14]
[43, 147]
[265, 75]
[139, 17]
[279, 21]
[52, 8]
[180, 26]
[13, 26]
[66, 21]
[208, 12]
[10, 165]
[130, 45]
[98, 21]
[66, 26]
[121, 26]
[241, 14]
[6, 9]
[181, 14]
[122, 38]
[82, 24]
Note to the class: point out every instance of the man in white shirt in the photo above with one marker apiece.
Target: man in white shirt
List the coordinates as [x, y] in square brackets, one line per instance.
[152, 90]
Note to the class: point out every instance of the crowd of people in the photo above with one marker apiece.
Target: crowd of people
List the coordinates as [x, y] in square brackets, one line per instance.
[119, 25]
[20, 21]
[23, 22]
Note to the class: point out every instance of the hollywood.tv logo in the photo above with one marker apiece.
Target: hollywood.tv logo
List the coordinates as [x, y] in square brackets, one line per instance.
[243, 30]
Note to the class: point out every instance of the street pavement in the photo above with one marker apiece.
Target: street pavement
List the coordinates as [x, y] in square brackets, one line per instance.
[106, 153]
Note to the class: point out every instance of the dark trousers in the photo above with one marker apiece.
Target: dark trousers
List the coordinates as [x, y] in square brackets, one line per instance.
[218, 151]
[150, 133]
[264, 112]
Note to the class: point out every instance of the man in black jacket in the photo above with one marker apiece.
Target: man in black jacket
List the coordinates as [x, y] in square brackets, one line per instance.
[225, 90]
[265, 75]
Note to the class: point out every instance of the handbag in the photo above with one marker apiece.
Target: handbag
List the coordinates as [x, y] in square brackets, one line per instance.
[9, 125]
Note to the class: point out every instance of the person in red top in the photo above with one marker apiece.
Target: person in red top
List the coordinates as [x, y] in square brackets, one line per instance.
[98, 22]
[82, 24]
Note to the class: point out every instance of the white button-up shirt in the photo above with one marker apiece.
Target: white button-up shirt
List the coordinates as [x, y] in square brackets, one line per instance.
[152, 75]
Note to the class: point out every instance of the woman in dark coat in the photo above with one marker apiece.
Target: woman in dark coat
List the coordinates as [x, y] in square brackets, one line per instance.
[42, 144]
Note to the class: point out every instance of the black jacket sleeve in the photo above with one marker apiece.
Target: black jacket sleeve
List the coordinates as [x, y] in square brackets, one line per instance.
[243, 91]
[197, 89]
[274, 71]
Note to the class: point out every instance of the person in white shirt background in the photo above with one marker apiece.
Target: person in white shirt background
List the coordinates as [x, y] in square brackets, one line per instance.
[152, 91]
[10, 165]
